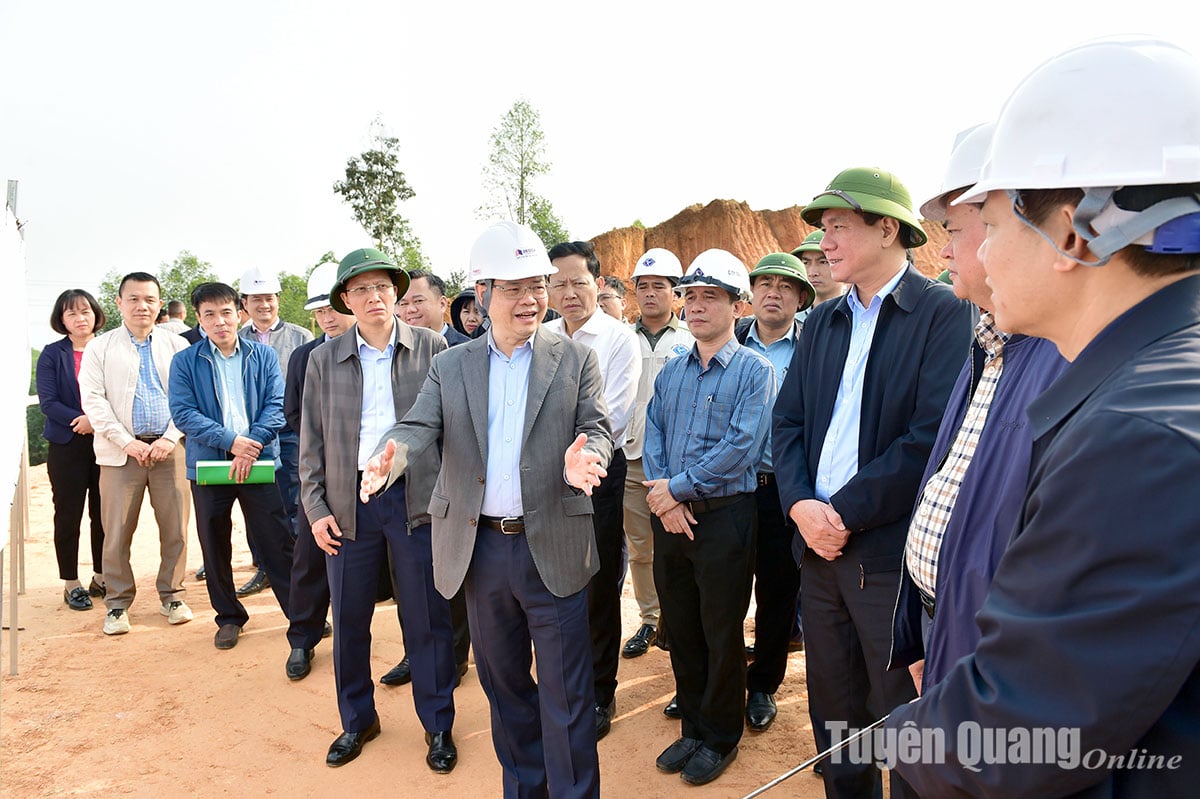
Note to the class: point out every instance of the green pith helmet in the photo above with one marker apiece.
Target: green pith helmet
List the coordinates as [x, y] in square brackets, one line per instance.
[872, 191]
[785, 265]
[365, 260]
[944, 277]
[811, 243]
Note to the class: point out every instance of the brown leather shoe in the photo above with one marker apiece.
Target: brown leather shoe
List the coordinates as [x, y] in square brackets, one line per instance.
[227, 636]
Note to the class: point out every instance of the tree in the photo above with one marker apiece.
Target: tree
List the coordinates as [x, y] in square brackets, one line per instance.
[176, 278]
[292, 299]
[456, 283]
[374, 186]
[518, 156]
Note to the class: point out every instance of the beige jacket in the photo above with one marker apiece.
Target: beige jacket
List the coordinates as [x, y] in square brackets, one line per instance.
[107, 380]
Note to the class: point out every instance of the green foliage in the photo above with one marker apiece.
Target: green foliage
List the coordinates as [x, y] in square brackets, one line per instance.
[638, 224]
[292, 299]
[35, 420]
[374, 187]
[456, 283]
[518, 156]
[177, 279]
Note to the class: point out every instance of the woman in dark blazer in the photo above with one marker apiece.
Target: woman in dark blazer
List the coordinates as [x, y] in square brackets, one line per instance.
[71, 463]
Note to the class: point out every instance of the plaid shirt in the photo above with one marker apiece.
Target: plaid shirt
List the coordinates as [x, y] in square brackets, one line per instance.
[151, 412]
[937, 500]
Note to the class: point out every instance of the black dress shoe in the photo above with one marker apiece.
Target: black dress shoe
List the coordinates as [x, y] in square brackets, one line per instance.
[443, 754]
[706, 765]
[462, 672]
[349, 745]
[400, 674]
[96, 589]
[257, 583]
[671, 711]
[660, 638]
[299, 664]
[327, 630]
[818, 770]
[641, 641]
[675, 757]
[760, 710]
[77, 598]
[201, 574]
[749, 651]
[604, 714]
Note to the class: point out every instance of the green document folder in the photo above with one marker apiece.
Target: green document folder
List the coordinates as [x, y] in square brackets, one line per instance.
[216, 473]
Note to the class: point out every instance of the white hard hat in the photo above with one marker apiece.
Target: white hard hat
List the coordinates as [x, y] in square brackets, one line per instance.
[718, 268]
[1102, 116]
[966, 161]
[255, 281]
[508, 251]
[658, 262]
[319, 283]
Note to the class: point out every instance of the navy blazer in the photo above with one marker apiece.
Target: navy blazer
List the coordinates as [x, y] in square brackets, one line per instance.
[293, 388]
[453, 337]
[921, 338]
[58, 390]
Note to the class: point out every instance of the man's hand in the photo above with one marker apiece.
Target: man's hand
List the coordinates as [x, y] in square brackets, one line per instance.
[379, 467]
[821, 526]
[239, 470]
[245, 447]
[582, 467]
[917, 670]
[139, 451]
[160, 450]
[678, 520]
[326, 532]
[659, 497]
[82, 425]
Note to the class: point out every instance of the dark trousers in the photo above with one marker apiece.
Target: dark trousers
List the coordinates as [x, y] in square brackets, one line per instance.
[379, 526]
[704, 588]
[848, 633]
[309, 593]
[266, 527]
[74, 479]
[458, 620]
[287, 477]
[776, 587]
[544, 732]
[604, 590]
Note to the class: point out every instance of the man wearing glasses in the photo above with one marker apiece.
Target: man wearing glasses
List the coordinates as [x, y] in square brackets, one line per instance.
[356, 388]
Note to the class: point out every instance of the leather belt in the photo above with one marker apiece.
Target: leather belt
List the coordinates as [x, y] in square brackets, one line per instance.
[927, 602]
[714, 503]
[509, 525]
[148, 439]
[766, 479]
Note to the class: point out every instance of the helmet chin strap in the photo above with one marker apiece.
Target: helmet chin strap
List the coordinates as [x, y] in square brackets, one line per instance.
[1015, 197]
[1120, 227]
[485, 300]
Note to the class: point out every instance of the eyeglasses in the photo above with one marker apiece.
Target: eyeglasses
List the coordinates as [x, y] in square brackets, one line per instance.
[364, 291]
[537, 291]
[605, 297]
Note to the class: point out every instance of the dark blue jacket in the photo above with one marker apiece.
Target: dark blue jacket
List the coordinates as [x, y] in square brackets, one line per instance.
[58, 390]
[986, 510]
[921, 337]
[196, 409]
[293, 386]
[1093, 619]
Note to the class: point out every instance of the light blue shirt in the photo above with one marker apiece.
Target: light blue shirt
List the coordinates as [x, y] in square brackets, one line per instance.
[839, 454]
[508, 389]
[151, 411]
[779, 353]
[705, 425]
[231, 389]
[378, 405]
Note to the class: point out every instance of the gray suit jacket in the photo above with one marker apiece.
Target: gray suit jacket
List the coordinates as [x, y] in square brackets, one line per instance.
[565, 398]
[331, 416]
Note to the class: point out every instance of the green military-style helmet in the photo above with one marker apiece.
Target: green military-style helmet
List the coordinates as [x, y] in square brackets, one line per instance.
[785, 265]
[811, 243]
[868, 190]
[365, 260]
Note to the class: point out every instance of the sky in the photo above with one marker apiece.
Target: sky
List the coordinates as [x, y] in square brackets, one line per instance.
[138, 130]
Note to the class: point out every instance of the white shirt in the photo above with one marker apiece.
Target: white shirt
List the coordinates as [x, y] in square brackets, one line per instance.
[620, 364]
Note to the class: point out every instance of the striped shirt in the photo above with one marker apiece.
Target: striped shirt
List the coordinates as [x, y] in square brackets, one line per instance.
[704, 425]
[941, 492]
[151, 411]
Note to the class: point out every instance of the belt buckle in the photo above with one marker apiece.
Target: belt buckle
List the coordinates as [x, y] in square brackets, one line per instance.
[764, 479]
[504, 524]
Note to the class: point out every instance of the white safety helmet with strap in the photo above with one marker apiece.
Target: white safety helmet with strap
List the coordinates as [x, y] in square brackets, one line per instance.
[1054, 133]
[508, 251]
[657, 262]
[718, 268]
[319, 283]
[962, 171]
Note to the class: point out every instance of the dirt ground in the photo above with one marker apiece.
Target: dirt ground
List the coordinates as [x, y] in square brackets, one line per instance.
[160, 712]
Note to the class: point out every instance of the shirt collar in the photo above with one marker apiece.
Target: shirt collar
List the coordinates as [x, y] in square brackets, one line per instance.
[856, 305]
[723, 356]
[361, 342]
[673, 322]
[989, 337]
[496, 350]
[237, 348]
[753, 334]
[254, 328]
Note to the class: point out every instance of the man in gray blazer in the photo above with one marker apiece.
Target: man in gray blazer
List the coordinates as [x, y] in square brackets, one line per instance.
[511, 520]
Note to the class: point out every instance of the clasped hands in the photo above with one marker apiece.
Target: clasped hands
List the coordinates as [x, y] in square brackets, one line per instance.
[821, 527]
[675, 516]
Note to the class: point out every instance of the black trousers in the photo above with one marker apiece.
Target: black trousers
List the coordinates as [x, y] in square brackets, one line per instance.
[704, 588]
[776, 584]
[74, 478]
[848, 633]
[458, 616]
[604, 589]
[266, 527]
[309, 592]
